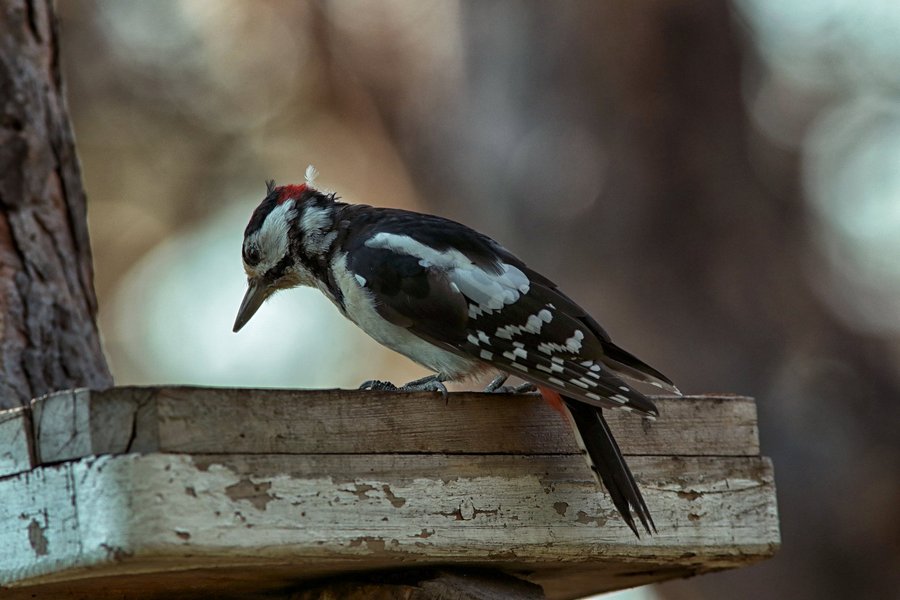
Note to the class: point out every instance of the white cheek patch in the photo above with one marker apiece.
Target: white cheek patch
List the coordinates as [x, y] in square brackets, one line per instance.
[272, 238]
[488, 291]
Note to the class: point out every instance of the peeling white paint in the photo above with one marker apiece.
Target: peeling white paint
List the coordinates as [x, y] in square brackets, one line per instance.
[113, 511]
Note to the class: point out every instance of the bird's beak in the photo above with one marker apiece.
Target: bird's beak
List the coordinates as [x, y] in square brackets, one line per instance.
[257, 291]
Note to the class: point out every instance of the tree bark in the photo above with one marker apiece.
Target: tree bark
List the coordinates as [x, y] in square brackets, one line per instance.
[48, 333]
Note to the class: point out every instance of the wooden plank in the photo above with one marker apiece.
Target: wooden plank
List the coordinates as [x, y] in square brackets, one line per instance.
[16, 448]
[212, 421]
[273, 521]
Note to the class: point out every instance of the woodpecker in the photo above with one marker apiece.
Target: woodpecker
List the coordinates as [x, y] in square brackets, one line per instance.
[456, 302]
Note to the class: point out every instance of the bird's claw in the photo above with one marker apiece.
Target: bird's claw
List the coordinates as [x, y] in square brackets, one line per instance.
[496, 386]
[378, 385]
[522, 388]
[425, 386]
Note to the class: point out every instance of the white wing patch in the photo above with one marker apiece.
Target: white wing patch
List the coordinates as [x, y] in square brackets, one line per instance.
[533, 324]
[487, 291]
[572, 345]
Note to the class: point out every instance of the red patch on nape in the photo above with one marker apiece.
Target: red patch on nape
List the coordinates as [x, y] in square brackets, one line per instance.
[287, 192]
[553, 398]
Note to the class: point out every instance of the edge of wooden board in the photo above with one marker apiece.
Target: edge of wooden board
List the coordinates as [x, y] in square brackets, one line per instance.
[81, 423]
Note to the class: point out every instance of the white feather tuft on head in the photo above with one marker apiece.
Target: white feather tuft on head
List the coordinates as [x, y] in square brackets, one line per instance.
[311, 174]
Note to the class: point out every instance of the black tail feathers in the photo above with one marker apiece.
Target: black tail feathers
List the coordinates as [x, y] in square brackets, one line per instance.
[607, 463]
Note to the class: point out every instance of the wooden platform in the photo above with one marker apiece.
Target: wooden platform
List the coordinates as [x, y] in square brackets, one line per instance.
[201, 492]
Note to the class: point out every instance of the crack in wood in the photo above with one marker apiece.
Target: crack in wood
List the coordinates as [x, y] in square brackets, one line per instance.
[134, 427]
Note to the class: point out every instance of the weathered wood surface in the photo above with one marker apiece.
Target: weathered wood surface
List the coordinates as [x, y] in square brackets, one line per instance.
[16, 448]
[80, 423]
[245, 494]
[119, 515]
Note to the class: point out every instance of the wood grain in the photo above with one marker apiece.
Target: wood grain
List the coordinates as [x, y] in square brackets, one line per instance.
[214, 421]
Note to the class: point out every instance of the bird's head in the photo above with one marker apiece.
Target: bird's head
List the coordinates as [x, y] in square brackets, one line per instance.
[287, 236]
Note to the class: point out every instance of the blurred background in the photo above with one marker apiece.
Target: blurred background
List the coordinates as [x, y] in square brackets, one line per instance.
[719, 183]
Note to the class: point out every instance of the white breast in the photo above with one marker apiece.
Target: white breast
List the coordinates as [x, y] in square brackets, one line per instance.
[359, 307]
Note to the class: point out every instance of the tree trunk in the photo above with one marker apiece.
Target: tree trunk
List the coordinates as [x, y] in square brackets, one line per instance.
[48, 332]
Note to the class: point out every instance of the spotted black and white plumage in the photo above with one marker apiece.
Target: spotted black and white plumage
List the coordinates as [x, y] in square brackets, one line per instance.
[458, 303]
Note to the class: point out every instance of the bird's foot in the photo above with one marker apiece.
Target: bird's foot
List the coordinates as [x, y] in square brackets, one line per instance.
[496, 386]
[432, 383]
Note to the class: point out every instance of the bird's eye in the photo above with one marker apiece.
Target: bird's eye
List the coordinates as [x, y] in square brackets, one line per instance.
[251, 256]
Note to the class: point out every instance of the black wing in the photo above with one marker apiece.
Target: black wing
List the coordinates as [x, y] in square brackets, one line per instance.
[464, 292]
